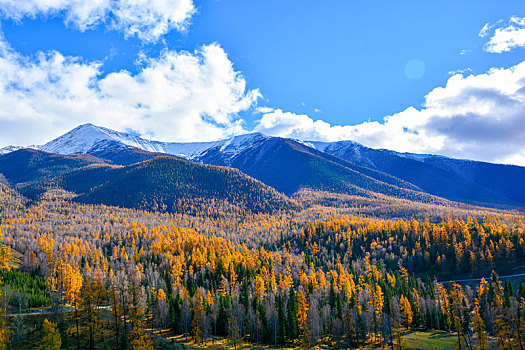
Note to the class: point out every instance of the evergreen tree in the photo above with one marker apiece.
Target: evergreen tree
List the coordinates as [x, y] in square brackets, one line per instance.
[292, 330]
[51, 339]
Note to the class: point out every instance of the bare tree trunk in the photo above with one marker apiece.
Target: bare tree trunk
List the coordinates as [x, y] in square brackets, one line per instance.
[275, 330]
[125, 321]
[117, 328]
[76, 321]
[517, 324]
[91, 339]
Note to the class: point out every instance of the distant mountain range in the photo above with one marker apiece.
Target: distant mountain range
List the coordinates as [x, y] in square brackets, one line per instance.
[454, 179]
[286, 165]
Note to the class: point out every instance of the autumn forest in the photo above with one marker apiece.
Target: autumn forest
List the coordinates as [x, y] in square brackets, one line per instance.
[260, 175]
[80, 276]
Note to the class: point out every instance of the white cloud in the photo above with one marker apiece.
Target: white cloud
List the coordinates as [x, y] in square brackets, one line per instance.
[505, 37]
[197, 96]
[460, 71]
[262, 109]
[485, 30]
[146, 19]
[476, 116]
[178, 96]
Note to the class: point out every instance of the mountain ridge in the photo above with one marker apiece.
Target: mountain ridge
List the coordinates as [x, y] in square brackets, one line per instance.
[322, 171]
[337, 166]
[87, 138]
[451, 178]
[193, 149]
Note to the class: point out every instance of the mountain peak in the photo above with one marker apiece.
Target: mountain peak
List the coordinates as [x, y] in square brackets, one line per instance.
[79, 140]
[85, 125]
[89, 139]
[245, 137]
[252, 135]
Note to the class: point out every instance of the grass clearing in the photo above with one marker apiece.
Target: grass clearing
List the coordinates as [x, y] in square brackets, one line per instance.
[430, 340]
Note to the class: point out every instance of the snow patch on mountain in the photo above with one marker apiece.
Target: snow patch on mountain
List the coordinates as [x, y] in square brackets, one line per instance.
[9, 149]
[240, 143]
[333, 147]
[83, 138]
[89, 138]
[433, 158]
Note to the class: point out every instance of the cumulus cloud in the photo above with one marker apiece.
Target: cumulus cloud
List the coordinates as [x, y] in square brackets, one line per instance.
[504, 36]
[476, 116]
[144, 19]
[178, 96]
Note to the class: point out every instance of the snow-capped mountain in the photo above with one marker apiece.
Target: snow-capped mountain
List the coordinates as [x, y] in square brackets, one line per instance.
[86, 137]
[9, 149]
[366, 156]
[285, 164]
[348, 150]
[289, 165]
[92, 139]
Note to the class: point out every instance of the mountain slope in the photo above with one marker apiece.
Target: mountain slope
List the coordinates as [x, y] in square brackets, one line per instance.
[431, 173]
[117, 153]
[165, 183]
[32, 171]
[507, 180]
[255, 154]
[288, 165]
[178, 185]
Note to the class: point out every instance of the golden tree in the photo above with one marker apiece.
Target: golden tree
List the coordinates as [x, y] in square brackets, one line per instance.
[51, 339]
[302, 315]
[92, 296]
[260, 288]
[141, 341]
[70, 279]
[406, 310]
[479, 328]
[197, 324]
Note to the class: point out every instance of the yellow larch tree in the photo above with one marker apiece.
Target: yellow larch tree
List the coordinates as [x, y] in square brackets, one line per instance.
[406, 310]
[302, 315]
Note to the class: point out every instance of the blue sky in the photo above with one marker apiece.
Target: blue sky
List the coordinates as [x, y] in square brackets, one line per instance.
[314, 63]
[344, 58]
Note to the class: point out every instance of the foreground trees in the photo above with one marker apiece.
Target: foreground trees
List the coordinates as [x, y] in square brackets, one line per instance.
[271, 280]
[5, 265]
[51, 339]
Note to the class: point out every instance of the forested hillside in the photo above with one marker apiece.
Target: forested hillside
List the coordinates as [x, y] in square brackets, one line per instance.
[33, 172]
[175, 185]
[301, 278]
[166, 183]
